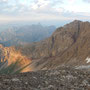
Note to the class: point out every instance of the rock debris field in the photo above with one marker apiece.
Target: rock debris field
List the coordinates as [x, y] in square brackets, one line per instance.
[62, 78]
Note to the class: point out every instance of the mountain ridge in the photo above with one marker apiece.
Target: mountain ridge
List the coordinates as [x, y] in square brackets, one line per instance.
[63, 47]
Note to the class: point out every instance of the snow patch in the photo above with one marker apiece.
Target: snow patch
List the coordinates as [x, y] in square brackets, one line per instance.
[88, 60]
[83, 67]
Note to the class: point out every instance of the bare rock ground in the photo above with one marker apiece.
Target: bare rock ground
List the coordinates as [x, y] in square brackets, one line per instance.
[62, 78]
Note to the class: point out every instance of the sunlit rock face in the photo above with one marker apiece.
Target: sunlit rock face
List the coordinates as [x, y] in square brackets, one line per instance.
[10, 55]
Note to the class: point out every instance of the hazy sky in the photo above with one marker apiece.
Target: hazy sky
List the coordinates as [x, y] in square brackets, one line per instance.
[40, 10]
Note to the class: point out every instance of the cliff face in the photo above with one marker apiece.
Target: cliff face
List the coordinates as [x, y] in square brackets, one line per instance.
[69, 45]
[10, 55]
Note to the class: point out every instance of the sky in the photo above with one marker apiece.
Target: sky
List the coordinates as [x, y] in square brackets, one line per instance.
[44, 10]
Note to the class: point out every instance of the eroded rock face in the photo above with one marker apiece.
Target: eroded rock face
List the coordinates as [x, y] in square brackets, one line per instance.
[10, 55]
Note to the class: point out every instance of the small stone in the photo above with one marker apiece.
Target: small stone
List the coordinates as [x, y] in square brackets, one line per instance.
[26, 83]
[15, 80]
[50, 86]
[46, 82]
[34, 77]
[85, 82]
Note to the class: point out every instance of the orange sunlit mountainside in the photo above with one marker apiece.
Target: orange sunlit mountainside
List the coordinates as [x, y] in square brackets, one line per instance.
[10, 55]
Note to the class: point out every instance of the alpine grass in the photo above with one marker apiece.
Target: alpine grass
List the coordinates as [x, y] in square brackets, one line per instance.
[13, 68]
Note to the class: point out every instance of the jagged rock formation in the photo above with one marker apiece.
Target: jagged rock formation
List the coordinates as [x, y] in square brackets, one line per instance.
[9, 55]
[69, 45]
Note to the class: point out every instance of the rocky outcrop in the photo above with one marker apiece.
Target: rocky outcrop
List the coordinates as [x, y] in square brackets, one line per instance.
[9, 55]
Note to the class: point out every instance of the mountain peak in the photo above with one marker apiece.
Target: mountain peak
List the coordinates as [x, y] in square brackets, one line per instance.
[77, 21]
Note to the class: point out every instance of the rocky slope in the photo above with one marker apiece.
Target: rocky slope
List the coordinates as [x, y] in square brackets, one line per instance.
[62, 78]
[69, 45]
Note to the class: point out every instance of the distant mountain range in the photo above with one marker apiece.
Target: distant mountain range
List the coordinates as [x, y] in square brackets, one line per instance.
[68, 45]
[25, 34]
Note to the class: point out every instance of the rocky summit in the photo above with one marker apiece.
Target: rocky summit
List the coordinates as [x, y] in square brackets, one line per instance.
[61, 78]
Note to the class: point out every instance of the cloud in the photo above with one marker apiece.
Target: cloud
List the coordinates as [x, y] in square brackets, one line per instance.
[47, 7]
[43, 9]
[35, 10]
[17, 6]
[87, 1]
